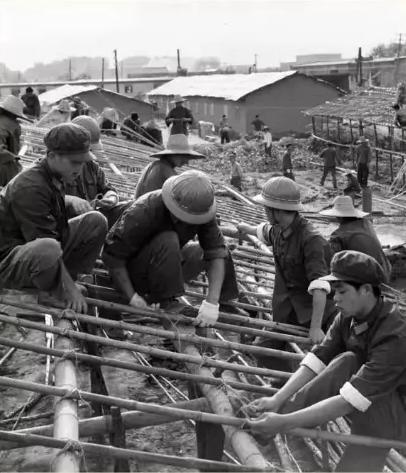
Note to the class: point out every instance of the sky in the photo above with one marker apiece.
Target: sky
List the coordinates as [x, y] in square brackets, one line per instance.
[234, 30]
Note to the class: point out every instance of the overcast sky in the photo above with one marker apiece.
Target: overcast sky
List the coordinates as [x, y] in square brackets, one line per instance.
[234, 30]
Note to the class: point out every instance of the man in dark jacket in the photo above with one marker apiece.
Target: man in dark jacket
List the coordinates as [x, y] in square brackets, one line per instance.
[179, 117]
[39, 246]
[32, 106]
[363, 156]
[330, 161]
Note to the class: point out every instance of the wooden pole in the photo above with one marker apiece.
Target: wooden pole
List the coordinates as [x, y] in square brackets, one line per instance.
[116, 71]
[66, 425]
[102, 74]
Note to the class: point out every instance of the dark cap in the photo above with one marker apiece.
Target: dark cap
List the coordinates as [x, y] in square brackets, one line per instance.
[354, 266]
[68, 138]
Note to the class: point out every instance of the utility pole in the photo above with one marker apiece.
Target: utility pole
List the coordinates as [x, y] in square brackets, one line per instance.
[102, 74]
[360, 78]
[116, 69]
[397, 60]
[70, 69]
[179, 66]
[255, 62]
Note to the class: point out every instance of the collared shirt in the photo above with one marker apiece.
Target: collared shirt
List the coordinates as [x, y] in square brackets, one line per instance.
[363, 152]
[329, 156]
[379, 341]
[32, 206]
[154, 176]
[236, 170]
[359, 235]
[89, 183]
[301, 256]
[178, 126]
[146, 218]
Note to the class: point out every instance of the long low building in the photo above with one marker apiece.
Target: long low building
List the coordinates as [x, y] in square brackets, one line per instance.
[279, 98]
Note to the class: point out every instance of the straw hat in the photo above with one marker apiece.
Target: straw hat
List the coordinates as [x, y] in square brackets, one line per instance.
[14, 105]
[178, 144]
[63, 106]
[178, 99]
[190, 197]
[343, 207]
[91, 125]
[280, 193]
[363, 140]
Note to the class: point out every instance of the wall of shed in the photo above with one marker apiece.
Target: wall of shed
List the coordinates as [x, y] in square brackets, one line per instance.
[280, 105]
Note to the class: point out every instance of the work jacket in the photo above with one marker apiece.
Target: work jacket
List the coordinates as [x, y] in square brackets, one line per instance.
[179, 126]
[154, 176]
[10, 132]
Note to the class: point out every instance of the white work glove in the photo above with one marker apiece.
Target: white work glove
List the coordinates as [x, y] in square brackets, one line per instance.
[208, 314]
[138, 302]
[78, 205]
[109, 199]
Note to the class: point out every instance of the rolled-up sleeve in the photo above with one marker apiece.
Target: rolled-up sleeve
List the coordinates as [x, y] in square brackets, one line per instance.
[212, 241]
[264, 233]
[103, 184]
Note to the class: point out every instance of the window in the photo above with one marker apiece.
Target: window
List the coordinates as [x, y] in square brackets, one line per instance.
[225, 109]
[212, 108]
[205, 108]
[196, 107]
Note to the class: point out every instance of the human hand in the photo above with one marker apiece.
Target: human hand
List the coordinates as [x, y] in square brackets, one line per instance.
[208, 314]
[268, 404]
[316, 335]
[75, 300]
[140, 303]
[78, 205]
[243, 227]
[268, 425]
[109, 199]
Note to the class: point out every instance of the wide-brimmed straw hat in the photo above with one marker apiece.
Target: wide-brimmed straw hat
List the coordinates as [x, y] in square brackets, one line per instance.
[178, 144]
[178, 99]
[190, 197]
[14, 105]
[63, 106]
[280, 193]
[343, 207]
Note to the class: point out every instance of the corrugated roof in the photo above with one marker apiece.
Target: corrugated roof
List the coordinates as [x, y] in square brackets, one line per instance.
[55, 95]
[225, 86]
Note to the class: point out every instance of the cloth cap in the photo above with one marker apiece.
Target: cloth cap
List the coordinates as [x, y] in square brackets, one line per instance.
[14, 105]
[280, 193]
[354, 266]
[91, 125]
[63, 106]
[178, 99]
[68, 138]
[178, 144]
[343, 206]
[190, 197]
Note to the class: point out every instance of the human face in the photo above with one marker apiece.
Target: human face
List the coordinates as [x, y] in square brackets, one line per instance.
[350, 301]
[179, 161]
[270, 215]
[67, 166]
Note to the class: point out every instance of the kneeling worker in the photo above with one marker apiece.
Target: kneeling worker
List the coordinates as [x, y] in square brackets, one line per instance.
[357, 371]
[149, 252]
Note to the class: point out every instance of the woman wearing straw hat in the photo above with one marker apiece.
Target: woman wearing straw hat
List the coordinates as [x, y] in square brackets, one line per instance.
[355, 232]
[11, 108]
[177, 154]
[180, 117]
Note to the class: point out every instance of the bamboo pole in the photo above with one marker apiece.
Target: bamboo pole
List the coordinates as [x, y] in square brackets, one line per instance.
[114, 452]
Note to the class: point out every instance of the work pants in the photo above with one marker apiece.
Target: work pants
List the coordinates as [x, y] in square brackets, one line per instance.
[225, 137]
[37, 264]
[362, 174]
[235, 181]
[326, 172]
[385, 418]
[158, 272]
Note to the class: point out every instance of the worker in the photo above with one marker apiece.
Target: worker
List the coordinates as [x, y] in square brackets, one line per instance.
[400, 116]
[257, 125]
[177, 154]
[90, 187]
[108, 120]
[267, 142]
[353, 188]
[80, 107]
[355, 232]
[60, 113]
[32, 106]
[11, 108]
[236, 173]
[152, 133]
[363, 155]
[357, 371]
[150, 254]
[39, 246]
[180, 117]
[224, 129]
[287, 166]
[301, 257]
[330, 161]
[131, 126]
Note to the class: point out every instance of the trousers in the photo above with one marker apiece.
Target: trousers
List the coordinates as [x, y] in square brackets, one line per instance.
[362, 174]
[385, 418]
[326, 172]
[158, 272]
[37, 264]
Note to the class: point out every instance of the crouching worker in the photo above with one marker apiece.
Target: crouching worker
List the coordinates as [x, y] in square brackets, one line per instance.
[357, 371]
[39, 247]
[150, 254]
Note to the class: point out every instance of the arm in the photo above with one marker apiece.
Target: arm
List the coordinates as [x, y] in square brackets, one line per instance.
[215, 275]
[319, 304]
[121, 278]
[6, 156]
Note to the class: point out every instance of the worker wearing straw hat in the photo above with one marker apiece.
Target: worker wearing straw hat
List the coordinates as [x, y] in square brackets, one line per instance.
[11, 109]
[180, 117]
[357, 371]
[177, 153]
[355, 232]
[39, 246]
[301, 257]
[58, 114]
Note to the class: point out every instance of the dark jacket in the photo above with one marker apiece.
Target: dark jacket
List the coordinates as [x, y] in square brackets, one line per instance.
[10, 132]
[153, 177]
[32, 105]
[146, 218]
[32, 206]
[330, 158]
[179, 126]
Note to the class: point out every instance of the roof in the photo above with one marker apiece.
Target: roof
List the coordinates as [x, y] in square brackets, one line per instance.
[63, 92]
[226, 86]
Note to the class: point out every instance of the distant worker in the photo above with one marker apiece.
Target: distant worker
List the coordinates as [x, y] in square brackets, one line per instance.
[287, 166]
[353, 188]
[58, 114]
[400, 116]
[177, 154]
[258, 125]
[363, 154]
[224, 129]
[267, 141]
[236, 173]
[32, 106]
[152, 132]
[11, 108]
[108, 121]
[131, 126]
[80, 107]
[330, 161]
[179, 118]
